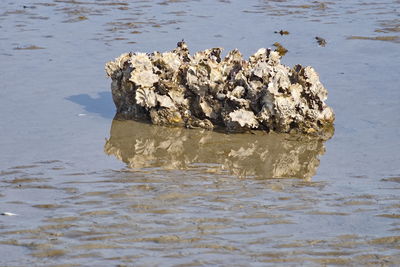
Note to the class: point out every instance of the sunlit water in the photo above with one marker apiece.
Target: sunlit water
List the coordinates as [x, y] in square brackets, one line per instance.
[89, 190]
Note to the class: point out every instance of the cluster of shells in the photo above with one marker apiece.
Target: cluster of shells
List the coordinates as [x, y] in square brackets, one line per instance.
[205, 91]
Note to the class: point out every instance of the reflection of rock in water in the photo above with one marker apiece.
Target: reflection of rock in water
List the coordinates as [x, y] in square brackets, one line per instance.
[260, 155]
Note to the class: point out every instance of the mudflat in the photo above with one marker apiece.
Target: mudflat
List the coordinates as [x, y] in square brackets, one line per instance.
[79, 187]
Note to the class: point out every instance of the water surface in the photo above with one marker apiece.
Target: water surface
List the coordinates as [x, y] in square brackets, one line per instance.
[90, 190]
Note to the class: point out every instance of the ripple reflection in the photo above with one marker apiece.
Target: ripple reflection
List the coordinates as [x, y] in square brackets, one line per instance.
[255, 155]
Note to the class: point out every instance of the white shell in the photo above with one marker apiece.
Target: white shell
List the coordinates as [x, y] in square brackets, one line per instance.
[165, 101]
[8, 214]
[141, 60]
[146, 97]
[244, 117]
[143, 78]
[171, 60]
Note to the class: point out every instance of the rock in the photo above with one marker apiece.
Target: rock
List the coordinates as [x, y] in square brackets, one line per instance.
[207, 91]
[321, 41]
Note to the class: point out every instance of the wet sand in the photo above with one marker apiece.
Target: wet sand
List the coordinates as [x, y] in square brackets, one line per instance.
[89, 189]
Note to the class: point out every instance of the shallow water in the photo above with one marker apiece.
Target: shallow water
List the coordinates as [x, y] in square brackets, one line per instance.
[88, 190]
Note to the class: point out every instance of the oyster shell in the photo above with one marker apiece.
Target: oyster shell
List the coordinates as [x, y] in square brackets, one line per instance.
[146, 97]
[141, 61]
[245, 119]
[143, 78]
[118, 64]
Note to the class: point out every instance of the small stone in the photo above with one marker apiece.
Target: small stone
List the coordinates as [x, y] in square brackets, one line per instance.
[321, 41]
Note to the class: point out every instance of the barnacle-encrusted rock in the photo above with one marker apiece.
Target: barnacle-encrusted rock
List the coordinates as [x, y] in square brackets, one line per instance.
[207, 91]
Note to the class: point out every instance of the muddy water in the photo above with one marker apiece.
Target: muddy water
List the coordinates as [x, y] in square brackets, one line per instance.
[88, 190]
